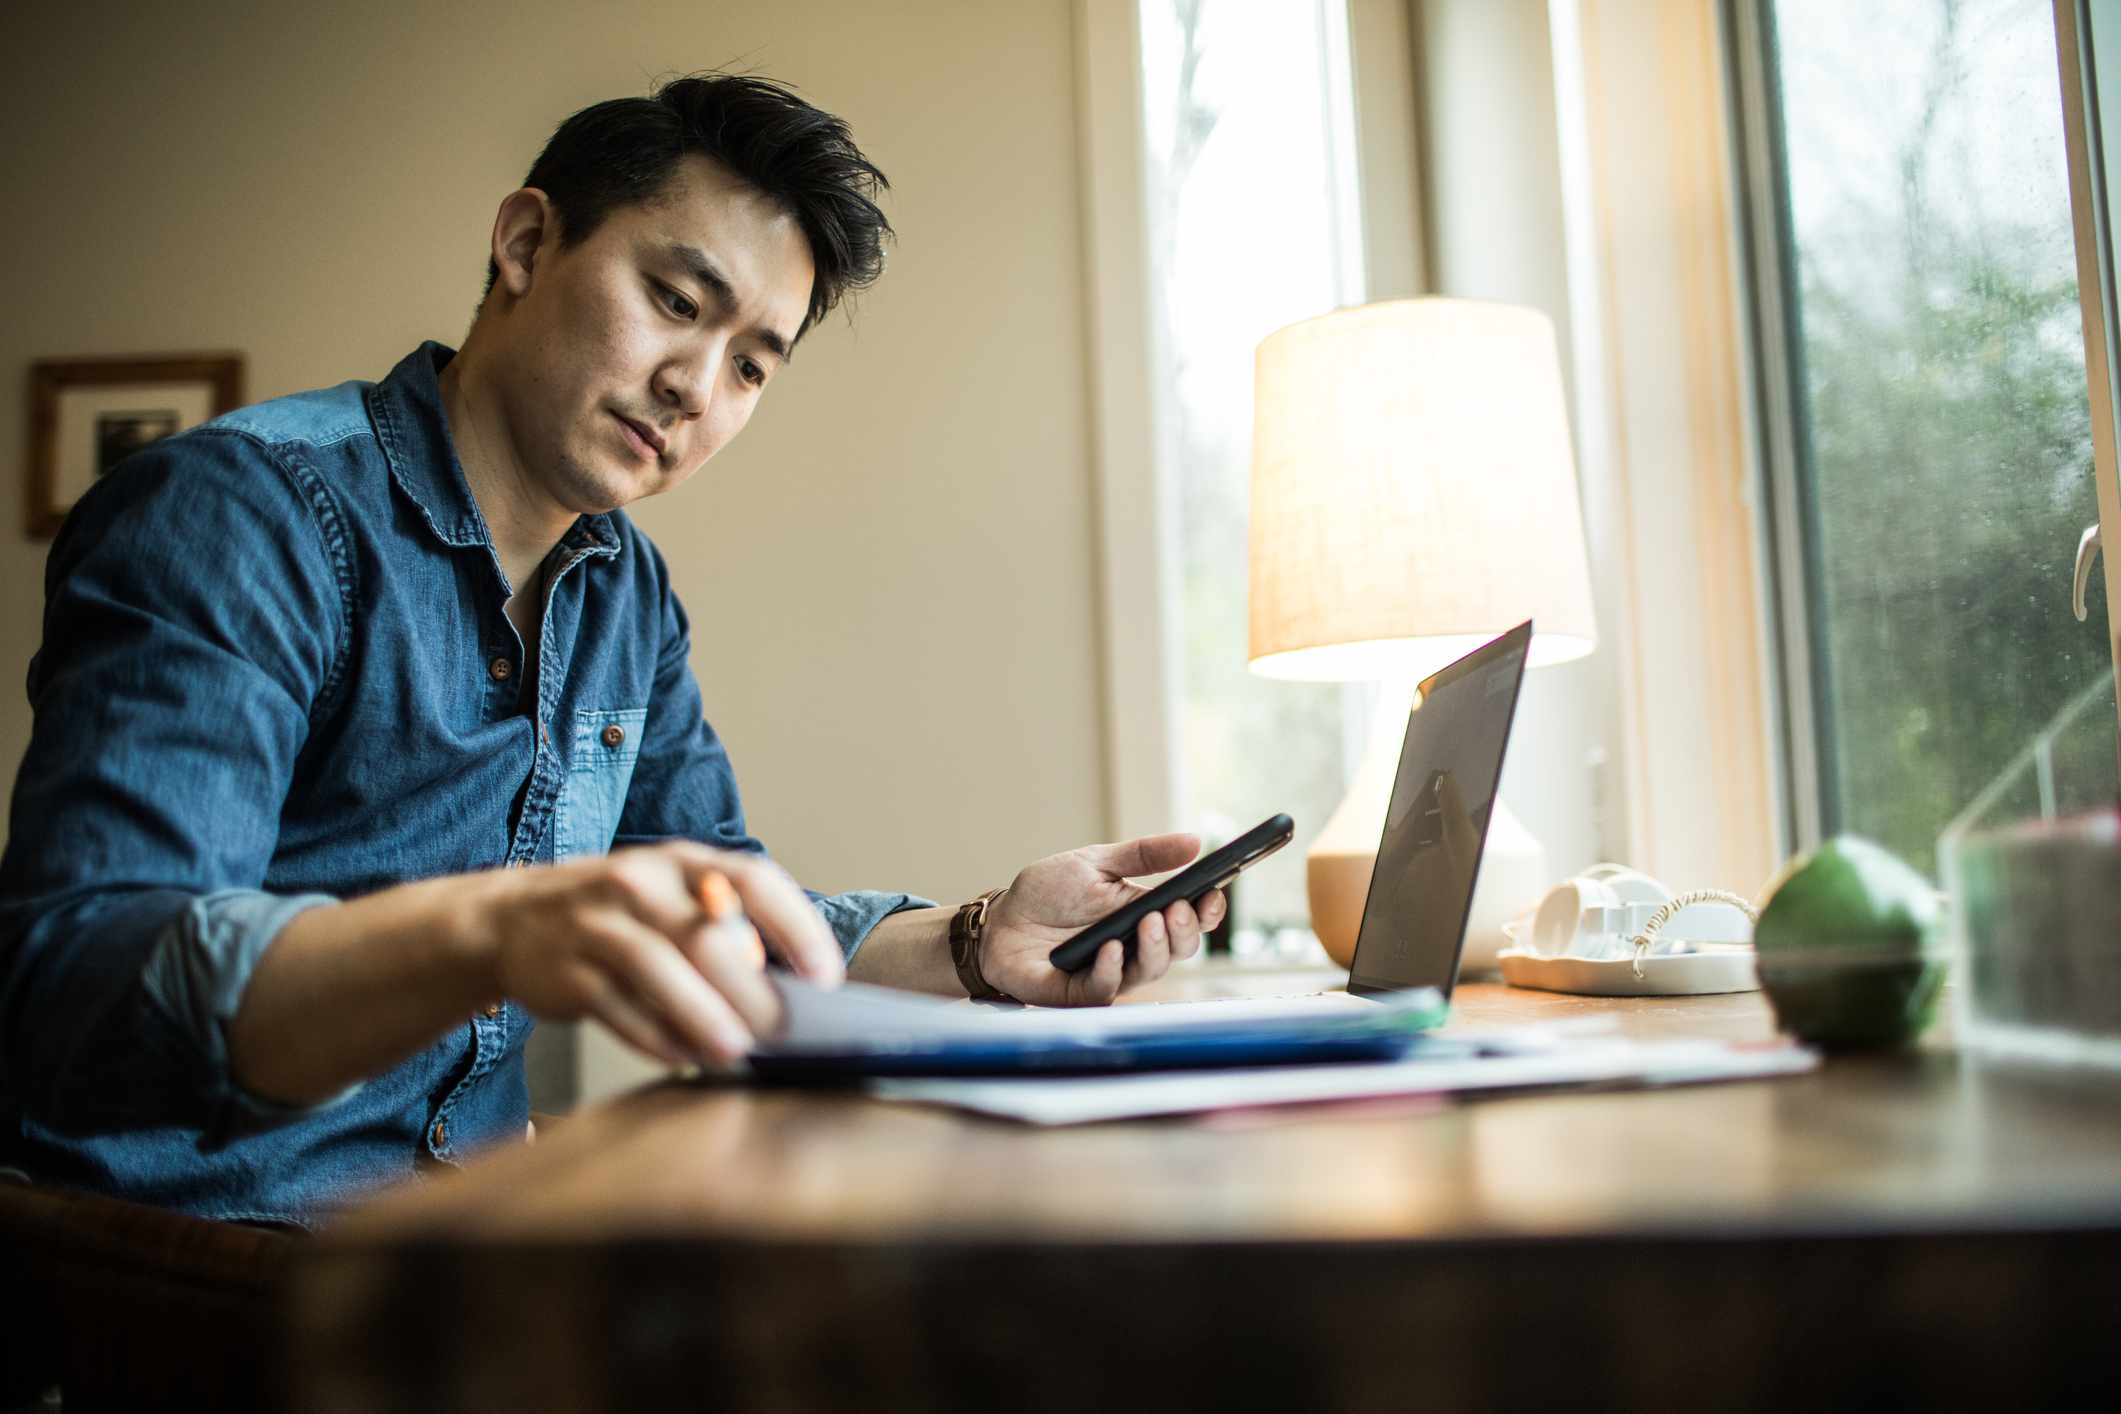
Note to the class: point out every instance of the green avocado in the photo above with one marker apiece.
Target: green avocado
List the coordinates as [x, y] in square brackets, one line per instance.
[1847, 945]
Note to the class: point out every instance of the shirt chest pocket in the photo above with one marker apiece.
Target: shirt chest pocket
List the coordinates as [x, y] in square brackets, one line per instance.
[606, 744]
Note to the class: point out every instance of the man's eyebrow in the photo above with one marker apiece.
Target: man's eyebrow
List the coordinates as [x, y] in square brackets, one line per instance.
[717, 284]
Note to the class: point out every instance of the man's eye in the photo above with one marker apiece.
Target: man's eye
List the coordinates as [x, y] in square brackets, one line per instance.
[750, 372]
[677, 304]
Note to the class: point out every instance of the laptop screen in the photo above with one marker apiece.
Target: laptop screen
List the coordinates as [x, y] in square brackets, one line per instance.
[1413, 925]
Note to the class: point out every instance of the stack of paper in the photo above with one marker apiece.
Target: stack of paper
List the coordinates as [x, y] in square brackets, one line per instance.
[856, 1031]
[1131, 1061]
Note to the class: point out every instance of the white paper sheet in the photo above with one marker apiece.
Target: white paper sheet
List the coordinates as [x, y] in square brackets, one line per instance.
[857, 1018]
[1582, 1061]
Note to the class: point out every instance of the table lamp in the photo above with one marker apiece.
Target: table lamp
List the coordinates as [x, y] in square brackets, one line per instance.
[1413, 495]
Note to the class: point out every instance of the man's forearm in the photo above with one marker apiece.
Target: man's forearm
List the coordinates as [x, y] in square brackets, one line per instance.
[909, 950]
[349, 990]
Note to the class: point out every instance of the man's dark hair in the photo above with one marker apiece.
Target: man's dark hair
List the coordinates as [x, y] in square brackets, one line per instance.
[623, 151]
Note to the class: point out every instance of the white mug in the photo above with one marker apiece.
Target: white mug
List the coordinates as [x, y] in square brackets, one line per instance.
[1595, 914]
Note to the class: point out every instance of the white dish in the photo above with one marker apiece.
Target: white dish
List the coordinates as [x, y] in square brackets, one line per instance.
[1707, 969]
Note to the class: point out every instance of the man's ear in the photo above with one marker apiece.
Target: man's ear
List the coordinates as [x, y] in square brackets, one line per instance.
[524, 228]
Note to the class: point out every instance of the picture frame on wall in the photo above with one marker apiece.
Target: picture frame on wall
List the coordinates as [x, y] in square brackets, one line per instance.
[89, 414]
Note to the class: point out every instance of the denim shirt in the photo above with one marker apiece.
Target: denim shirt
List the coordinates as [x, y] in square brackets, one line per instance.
[276, 672]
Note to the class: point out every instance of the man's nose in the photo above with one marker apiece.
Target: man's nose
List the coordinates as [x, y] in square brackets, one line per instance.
[684, 384]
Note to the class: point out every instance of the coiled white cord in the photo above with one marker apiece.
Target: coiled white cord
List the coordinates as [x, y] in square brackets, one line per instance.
[1641, 941]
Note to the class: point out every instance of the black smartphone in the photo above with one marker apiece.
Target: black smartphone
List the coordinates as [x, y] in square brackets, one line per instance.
[1192, 883]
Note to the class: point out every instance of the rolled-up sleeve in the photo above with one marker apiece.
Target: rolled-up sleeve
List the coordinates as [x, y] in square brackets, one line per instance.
[196, 609]
[683, 786]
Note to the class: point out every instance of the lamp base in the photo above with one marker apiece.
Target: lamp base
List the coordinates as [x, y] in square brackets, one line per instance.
[1337, 870]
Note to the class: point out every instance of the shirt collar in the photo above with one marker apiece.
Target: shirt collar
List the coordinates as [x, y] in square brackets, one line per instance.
[407, 410]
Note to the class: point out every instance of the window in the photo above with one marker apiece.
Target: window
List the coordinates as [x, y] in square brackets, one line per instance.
[1942, 466]
[1253, 224]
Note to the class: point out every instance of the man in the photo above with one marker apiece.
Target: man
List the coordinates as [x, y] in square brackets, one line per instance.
[344, 698]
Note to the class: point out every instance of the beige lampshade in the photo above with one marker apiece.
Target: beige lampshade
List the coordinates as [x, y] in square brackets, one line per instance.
[1413, 492]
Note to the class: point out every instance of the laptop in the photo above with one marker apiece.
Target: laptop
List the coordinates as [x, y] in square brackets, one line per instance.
[1406, 951]
[1436, 828]
[1413, 926]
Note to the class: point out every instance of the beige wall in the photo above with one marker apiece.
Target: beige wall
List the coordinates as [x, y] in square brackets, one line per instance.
[889, 573]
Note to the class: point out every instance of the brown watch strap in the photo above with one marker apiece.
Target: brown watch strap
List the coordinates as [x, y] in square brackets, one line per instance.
[967, 927]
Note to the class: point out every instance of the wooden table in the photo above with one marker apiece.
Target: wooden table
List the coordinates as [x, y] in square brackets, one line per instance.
[1917, 1230]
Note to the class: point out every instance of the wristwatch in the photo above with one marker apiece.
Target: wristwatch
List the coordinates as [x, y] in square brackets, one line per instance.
[966, 929]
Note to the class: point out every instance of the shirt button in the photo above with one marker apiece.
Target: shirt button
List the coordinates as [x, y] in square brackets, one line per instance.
[490, 1010]
[438, 1134]
[614, 734]
[500, 669]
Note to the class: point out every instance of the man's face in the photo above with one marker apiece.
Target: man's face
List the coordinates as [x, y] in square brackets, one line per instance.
[630, 358]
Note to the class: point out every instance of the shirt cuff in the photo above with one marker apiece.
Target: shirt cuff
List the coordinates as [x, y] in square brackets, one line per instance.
[853, 914]
[196, 974]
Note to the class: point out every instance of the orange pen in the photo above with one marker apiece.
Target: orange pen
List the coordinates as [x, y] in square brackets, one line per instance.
[718, 898]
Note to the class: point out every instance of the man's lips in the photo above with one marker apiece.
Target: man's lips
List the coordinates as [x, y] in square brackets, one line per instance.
[647, 436]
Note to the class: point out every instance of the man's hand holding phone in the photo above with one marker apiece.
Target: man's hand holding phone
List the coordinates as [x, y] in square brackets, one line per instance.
[1062, 894]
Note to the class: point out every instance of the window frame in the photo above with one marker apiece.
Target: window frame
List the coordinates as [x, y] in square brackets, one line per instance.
[1804, 752]
[1136, 501]
[2091, 218]
[1133, 503]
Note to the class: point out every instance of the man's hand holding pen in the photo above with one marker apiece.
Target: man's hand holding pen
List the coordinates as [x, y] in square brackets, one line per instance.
[665, 944]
